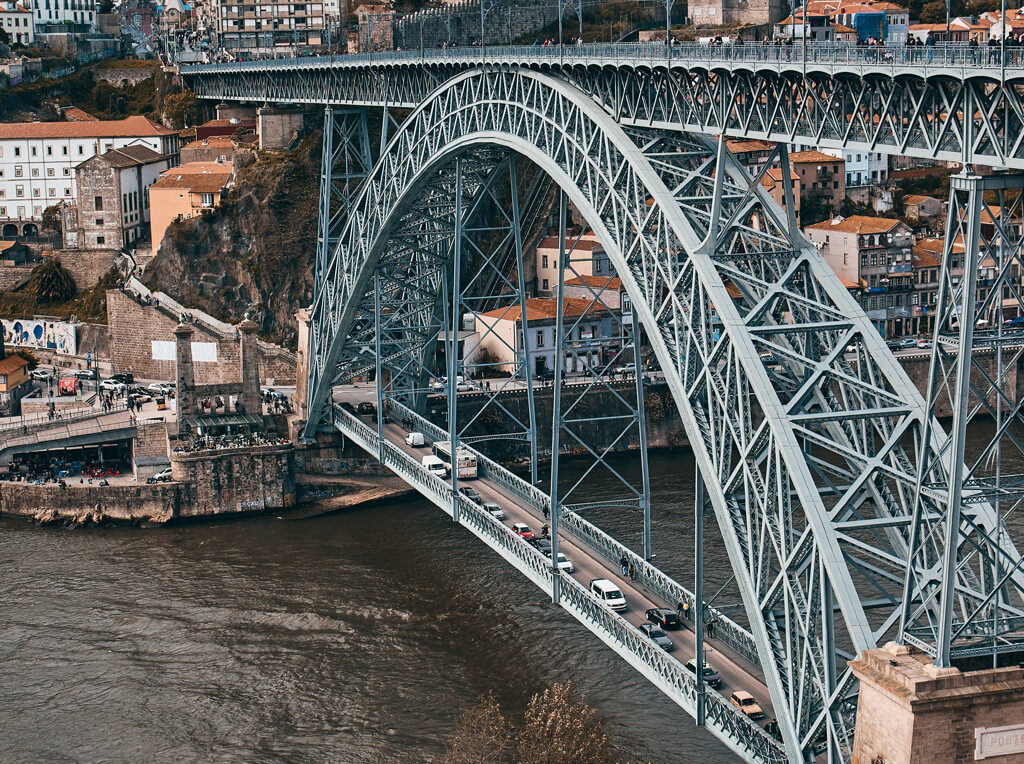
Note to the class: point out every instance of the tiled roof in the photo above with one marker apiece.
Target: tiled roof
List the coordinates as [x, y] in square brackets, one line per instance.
[198, 168]
[775, 173]
[11, 364]
[199, 182]
[130, 156]
[737, 147]
[596, 282]
[857, 224]
[813, 156]
[585, 244]
[541, 308]
[842, 28]
[230, 123]
[6, 245]
[129, 127]
[213, 142]
[74, 114]
[917, 198]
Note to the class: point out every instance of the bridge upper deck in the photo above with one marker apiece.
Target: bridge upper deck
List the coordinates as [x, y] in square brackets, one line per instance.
[945, 103]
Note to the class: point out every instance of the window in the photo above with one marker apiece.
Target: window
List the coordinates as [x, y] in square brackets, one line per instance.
[18, 171]
[99, 221]
[35, 192]
[67, 170]
[540, 338]
[124, 202]
[49, 151]
[598, 266]
[49, 171]
[544, 284]
[206, 200]
[34, 152]
[101, 239]
[19, 190]
[81, 151]
[35, 172]
[53, 192]
[98, 203]
[544, 261]
[17, 151]
[67, 192]
[64, 150]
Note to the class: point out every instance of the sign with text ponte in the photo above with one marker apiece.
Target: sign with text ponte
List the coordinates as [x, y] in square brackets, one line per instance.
[991, 742]
[58, 336]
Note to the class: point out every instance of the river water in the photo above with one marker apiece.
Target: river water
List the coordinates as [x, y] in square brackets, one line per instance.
[354, 637]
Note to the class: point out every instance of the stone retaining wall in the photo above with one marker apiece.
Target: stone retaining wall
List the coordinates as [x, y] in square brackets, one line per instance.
[91, 504]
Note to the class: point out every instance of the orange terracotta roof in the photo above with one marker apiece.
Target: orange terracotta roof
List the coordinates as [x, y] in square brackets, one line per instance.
[850, 284]
[917, 198]
[775, 173]
[585, 244]
[213, 142]
[11, 364]
[814, 156]
[74, 114]
[596, 282]
[121, 128]
[542, 308]
[198, 182]
[842, 28]
[198, 168]
[857, 224]
[249, 122]
[737, 147]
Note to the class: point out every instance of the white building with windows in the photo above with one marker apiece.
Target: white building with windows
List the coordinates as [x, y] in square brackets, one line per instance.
[586, 257]
[38, 160]
[65, 12]
[863, 168]
[17, 20]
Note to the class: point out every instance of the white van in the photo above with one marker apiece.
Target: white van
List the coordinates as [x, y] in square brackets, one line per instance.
[414, 439]
[434, 466]
[608, 593]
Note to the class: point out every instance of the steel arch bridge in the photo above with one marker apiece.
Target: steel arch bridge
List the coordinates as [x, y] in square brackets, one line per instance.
[825, 469]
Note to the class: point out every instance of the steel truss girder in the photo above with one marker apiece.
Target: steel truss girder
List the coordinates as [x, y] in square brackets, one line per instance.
[802, 453]
[973, 589]
[972, 117]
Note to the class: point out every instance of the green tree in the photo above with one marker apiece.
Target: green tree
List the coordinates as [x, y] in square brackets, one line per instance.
[182, 109]
[51, 219]
[933, 13]
[50, 281]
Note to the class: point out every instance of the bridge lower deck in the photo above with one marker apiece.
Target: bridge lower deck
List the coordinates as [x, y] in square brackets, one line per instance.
[736, 672]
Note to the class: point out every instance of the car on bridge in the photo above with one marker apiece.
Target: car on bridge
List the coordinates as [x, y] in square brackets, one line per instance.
[470, 493]
[711, 677]
[746, 704]
[608, 593]
[366, 409]
[542, 545]
[494, 510]
[522, 530]
[654, 633]
[564, 563]
[414, 439]
[665, 618]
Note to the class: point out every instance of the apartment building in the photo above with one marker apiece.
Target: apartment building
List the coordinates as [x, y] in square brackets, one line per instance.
[772, 182]
[752, 154]
[501, 334]
[113, 207]
[822, 177]
[65, 12]
[38, 161]
[586, 258]
[260, 28]
[17, 20]
[876, 254]
[183, 193]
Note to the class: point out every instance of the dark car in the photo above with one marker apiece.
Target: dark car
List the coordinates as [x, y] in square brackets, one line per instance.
[470, 493]
[366, 408]
[124, 376]
[711, 676]
[545, 375]
[542, 544]
[345, 405]
[657, 636]
[665, 618]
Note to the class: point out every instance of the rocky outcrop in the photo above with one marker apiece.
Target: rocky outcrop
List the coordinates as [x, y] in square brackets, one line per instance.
[254, 253]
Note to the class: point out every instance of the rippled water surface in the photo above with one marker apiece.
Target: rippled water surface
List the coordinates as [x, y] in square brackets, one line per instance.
[355, 637]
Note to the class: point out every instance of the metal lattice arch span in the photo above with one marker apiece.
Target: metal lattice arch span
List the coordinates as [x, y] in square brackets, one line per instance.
[809, 460]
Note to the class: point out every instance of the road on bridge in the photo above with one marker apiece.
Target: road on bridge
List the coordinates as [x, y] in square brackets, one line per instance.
[736, 673]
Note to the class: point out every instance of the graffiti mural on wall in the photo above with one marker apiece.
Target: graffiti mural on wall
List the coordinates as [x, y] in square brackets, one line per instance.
[52, 335]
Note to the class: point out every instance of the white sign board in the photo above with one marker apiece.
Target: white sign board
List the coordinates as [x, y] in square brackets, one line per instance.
[202, 352]
[998, 741]
[48, 335]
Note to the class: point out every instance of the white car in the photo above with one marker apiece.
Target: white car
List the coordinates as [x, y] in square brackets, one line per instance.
[163, 475]
[41, 373]
[161, 388]
[414, 439]
[112, 385]
[564, 563]
[494, 510]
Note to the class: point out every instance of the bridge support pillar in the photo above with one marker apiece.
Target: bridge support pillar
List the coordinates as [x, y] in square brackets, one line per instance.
[186, 379]
[975, 352]
[912, 712]
[300, 399]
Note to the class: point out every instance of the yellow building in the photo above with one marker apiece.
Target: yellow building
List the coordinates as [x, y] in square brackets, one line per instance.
[183, 193]
[13, 384]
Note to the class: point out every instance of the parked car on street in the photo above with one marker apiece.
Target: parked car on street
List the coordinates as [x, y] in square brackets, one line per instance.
[657, 636]
[112, 385]
[42, 373]
[665, 618]
[163, 475]
[86, 374]
[745, 702]
[711, 676]
[124, 376]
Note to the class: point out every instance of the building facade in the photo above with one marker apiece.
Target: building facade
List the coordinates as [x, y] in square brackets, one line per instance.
[38, 160]
[65, 12]
[722, 12]
[18, 21]
[876, 254]
[113, 206]
[586, 258]
[183, 193]
[501, 335]
[822, 178]
[772, 182]
[259, 28]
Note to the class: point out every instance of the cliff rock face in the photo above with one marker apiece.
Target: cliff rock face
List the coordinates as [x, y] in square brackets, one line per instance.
[254, 252]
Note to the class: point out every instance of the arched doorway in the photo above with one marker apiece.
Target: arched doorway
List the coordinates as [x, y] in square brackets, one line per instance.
[30, 229]
[10, 231]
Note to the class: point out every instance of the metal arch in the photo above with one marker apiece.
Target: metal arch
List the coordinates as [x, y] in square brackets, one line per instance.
[812, 705]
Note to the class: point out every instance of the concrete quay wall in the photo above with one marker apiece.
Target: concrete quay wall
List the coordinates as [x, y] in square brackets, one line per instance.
[81, 505]
[237, 480]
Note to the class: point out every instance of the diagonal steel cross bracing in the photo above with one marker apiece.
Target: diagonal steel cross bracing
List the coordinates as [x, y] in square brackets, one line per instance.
[972, 114]
[804, 426]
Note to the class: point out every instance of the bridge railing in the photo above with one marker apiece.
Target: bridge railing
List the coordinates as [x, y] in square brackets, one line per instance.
[668, 674]
[727, 631]
[939, 56]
